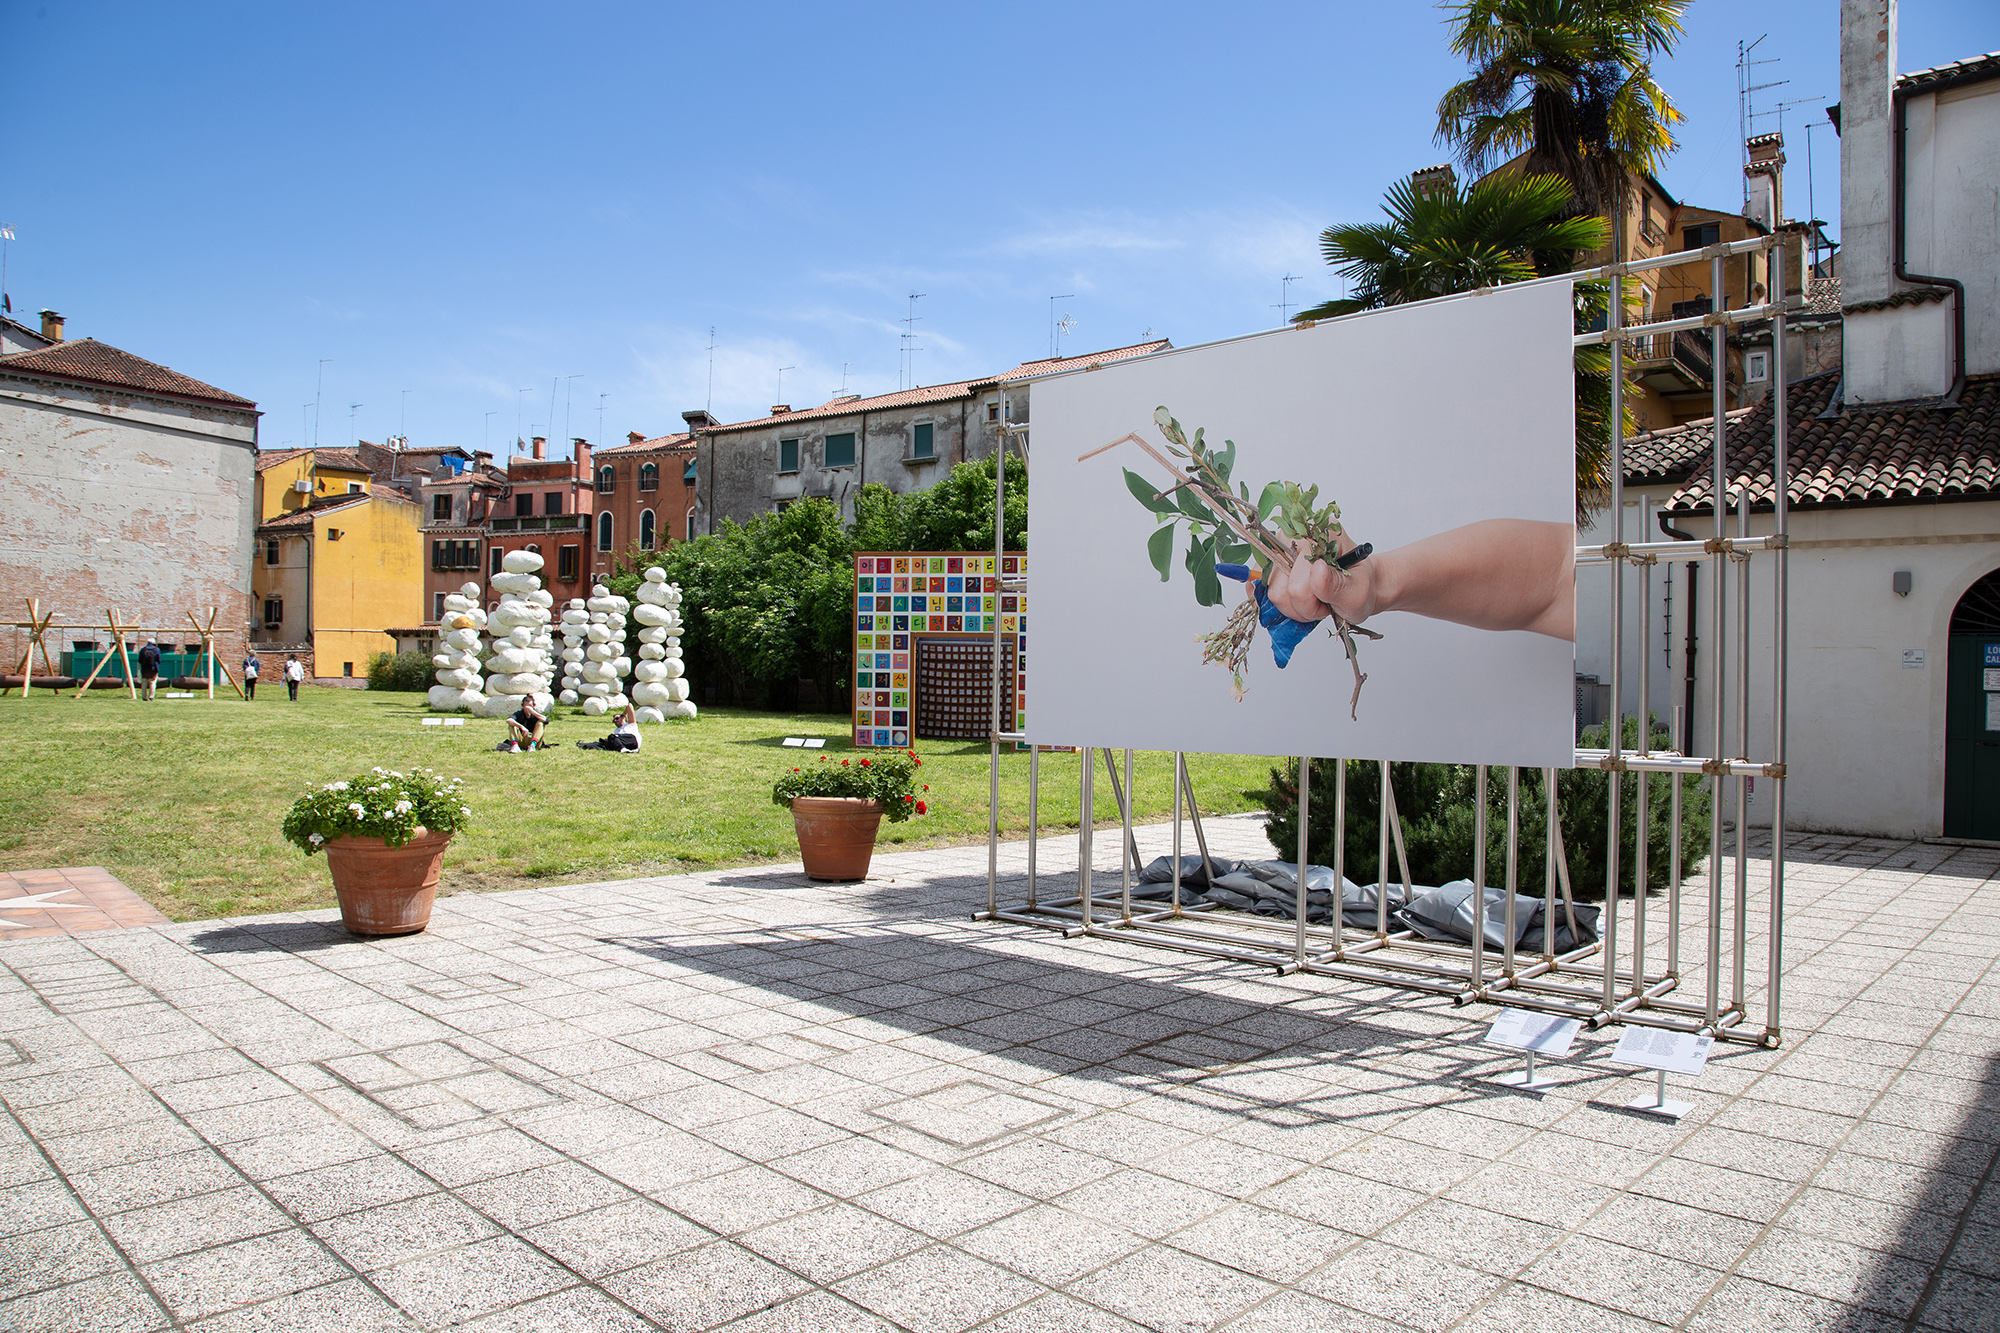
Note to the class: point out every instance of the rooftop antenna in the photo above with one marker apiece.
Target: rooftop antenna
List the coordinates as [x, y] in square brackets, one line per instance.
[352, 438]
[1284, 306]
[845, 366]
[403, 418]
[305, 423]
[781, 381]
[600, 418]
[1063, 325]
[709, 404]
[6, 236]
[910, 349]
[518, 441]
[1071, 296]
[1746, 96]
[486, 438]
[318, 385]
[567, 387]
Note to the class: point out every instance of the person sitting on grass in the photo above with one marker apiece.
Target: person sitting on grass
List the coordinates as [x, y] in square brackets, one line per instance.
[625, 738]
[525, 728]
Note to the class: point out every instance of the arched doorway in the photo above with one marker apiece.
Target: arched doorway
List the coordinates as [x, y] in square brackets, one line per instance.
[1972, 715]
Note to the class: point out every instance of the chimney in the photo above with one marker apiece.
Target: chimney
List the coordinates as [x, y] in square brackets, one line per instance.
[699, 420]
[1764, 180]
[1867, 79]
[482, 459]
[540, 449]
[633, 437]
[580, 450]
[52, 326]
[779, 409]
[1434, 180]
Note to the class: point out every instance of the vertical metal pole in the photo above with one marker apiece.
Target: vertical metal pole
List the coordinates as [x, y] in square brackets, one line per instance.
[1643, 805]
[1177, 832]
[1614, 822]
[1034, 817]
[1086, 821]
[1305, 801]
[1479, 879]
[1780, 648]
[1557, 868]
[1339, 859]
[1513, 866]
[1674, 852]
[1742, 747]
[1200, 837]
[1386, 804]
[1130, 858]
[1002, 697]
[1718, 343]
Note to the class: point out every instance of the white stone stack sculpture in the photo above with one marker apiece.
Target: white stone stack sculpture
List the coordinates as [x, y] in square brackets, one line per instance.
[460, 687]
[662, 688]
[575, 623]
[605, 665]
[519, 663]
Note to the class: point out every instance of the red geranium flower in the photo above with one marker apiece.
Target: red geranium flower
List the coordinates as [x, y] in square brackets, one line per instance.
[843, 763]
[920, 808]
[864, 763]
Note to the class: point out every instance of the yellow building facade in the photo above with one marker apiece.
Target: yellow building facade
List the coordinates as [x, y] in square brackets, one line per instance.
[337, 564]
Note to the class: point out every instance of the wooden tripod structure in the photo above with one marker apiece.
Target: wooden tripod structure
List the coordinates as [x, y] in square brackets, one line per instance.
[37, 625]
[207, 631]
[118, 632]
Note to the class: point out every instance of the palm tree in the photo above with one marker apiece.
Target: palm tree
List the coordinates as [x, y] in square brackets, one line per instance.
[1568, 81]
[1443, 240]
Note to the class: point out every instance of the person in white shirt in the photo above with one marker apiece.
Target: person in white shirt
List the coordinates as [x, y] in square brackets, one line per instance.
[294, 673]
[625, 738]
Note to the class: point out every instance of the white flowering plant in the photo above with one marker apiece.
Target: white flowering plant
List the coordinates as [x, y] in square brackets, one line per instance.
[380, 803]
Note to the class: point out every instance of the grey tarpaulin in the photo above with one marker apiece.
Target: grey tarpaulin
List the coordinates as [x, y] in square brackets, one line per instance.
[1267, 888]
[1446, 914]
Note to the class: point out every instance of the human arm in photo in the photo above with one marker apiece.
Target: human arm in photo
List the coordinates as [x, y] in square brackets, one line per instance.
[1497, 574]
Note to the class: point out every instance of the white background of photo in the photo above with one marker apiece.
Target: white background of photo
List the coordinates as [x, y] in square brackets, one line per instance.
[1415, 419]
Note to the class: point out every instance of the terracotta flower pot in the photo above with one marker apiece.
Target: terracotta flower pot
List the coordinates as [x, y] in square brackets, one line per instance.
[836, 835]
[386, 890]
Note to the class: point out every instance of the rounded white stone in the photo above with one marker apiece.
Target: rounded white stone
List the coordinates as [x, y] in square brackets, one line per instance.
[653, 615]
[674, 668]
[649, 671]
[593, 706]
[568, 696]
[685, 708]
[521, 562]
[651, 715]
[656, 575]
[651, 652]
[650, 693]
[677, 690]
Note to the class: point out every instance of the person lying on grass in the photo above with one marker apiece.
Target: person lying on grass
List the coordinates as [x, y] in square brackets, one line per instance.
[626, 737]
[525, 728]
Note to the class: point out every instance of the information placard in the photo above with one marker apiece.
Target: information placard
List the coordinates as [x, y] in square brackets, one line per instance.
[1657, 1048]
[1526, 1030]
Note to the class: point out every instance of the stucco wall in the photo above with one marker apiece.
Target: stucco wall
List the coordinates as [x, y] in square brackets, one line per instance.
[1866, 732]
[370, 579]
[1952, 220]
[120, 500]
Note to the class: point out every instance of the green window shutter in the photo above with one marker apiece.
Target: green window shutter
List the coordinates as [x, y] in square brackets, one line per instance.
[840, 450]
[921, 445]
[788, 455]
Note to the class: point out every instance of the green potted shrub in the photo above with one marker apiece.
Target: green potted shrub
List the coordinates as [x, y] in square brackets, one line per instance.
[838, 806]
[384, 835]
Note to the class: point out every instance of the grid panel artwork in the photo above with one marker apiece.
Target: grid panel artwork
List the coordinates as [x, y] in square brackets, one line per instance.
[939, 596]
[954, 694]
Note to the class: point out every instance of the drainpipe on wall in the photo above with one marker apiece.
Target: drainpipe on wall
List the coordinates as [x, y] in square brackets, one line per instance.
[1688, 653]
[1898, 133]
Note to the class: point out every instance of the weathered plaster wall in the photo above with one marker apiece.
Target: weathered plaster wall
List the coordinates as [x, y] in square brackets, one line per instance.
[120, 500]
[1953, 211]
[368, 580]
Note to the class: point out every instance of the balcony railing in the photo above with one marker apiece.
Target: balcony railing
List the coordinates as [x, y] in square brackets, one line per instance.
[1681, 353]
[539, 523]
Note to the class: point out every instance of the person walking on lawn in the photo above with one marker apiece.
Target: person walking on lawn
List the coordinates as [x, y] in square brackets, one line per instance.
[250, 670]
[294, 673]
[149, 668]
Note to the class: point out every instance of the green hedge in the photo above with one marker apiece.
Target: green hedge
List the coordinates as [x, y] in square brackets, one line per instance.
[1436, 802]
[410, 672]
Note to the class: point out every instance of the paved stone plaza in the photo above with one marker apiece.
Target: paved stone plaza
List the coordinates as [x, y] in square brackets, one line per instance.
[743, 1100]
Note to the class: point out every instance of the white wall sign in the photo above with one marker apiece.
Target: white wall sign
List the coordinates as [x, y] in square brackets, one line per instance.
[1657, 1048]
[1445, 432]
[1913, 659]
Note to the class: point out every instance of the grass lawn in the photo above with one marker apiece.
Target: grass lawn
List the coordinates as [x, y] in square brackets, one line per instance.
[182, 799]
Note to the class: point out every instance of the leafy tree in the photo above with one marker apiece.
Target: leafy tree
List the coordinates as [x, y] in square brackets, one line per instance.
[1567, 81]
[956, 514]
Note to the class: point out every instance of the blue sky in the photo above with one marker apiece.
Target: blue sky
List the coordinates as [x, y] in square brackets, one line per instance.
[465, 201]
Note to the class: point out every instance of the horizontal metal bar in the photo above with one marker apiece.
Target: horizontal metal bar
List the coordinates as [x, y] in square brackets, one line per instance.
[1626, 333]
[1659, 762]
[1712, 546]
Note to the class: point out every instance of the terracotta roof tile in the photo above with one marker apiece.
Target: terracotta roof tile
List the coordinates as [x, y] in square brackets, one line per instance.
[268, 458]
[1990, 62]
[659, 443]
[1672, 452]
[92, 362]
[342, 458]
[1846, 456]
[301, 520]
[1054, 365]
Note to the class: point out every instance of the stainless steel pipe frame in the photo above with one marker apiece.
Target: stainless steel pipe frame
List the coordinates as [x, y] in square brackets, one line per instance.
[1611, 981]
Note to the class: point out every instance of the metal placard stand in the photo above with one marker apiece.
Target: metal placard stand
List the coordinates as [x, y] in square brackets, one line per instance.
[1630, 978]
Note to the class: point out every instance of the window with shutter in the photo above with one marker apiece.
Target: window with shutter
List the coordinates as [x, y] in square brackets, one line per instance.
[840, 450]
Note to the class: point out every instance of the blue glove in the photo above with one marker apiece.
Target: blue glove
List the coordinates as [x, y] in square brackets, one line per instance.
[1286, 634]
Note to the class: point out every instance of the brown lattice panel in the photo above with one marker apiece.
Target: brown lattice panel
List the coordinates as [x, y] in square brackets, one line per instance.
[955, 689]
